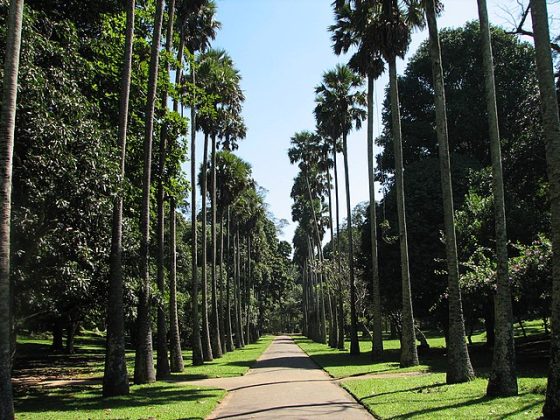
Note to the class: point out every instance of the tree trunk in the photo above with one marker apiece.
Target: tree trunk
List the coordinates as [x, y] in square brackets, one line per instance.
[333, 333]
[197, 355]
[215, 341]
[144, 359]
[340, 340]
[248, 294]
[305, 305]
[229, 338]
[239, 302]
[459, 368]
[175, 344]
[222, 303]
[503, 380]
[354, 343]
[206, 345]
[551, 125]
[71, 326]
[163, 369]
[377, 343]
[115, 375]
[409, 354]
[58, 333]
[7, 127]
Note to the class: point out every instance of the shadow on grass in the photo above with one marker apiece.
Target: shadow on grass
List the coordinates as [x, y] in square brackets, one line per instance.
[71, 398]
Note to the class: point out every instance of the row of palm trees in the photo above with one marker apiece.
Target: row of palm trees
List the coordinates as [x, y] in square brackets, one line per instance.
[207, 82]
[377, 33]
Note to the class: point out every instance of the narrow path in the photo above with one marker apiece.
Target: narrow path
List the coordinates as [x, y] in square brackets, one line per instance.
[285, 383]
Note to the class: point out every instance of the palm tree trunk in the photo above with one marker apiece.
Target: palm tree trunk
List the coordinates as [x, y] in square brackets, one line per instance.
[248, 293]
[7, 128]
[239, 294]
[115, 375]
[323, 320]
[197, 355]
[354, 343]
[214, 319]
[163, 369]
[144, 359]
[333, 333]
[409, 353]
[222, 302]
[206, 345]
[459, 368]
[377, 349]
[175, 347]
[340, 340]
[229, 333]
[176, 355]
[503, 380]
[551, 123]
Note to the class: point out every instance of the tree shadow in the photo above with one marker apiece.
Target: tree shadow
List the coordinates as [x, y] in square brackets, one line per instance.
[72, 398]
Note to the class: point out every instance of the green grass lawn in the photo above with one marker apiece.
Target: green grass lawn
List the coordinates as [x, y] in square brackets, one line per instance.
[428, 396]
[162, 400]
[156, 401]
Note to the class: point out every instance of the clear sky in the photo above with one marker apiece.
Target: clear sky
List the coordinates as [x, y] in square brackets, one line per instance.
[282, 48]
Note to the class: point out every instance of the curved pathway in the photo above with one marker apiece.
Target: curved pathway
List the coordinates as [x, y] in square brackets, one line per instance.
[284, 383]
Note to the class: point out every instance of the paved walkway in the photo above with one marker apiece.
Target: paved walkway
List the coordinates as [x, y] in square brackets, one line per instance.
[285, 383]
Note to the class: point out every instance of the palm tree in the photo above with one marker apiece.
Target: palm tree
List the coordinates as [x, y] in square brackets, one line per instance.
[163, 368]
[503, 380]
[115, 377]
[551, 125]
[144, 358]
[459, 368]
[198, 27]
[232, 178]
[338, 96]
[221, 79]
[389, 31]
[7, 128]
[307, 152]
[350, 30]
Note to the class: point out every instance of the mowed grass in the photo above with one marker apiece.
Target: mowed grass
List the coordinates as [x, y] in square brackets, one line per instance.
[156, 401]
[171, 399]
[421, 391]
[429, 397]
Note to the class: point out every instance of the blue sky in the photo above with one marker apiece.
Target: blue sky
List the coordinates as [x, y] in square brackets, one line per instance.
[282, 48]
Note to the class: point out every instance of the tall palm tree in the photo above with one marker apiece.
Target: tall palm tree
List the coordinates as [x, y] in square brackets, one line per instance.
[144, 358]
[199, 27]
[163, 368]
[340, 98]
[551, 124]
[115, 377]
[350, 31]
[219, 78]
[7, 128]
[459, 368]
[389, 30]
[503, 380]
[306, 151]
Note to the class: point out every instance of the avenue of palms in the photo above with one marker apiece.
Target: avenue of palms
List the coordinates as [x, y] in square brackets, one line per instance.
[140, 259]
